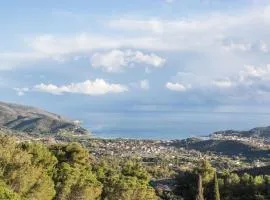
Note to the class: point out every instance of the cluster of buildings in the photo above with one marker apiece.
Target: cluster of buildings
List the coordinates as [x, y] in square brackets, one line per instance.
[158, 151]
[253, 141]
[125, 148]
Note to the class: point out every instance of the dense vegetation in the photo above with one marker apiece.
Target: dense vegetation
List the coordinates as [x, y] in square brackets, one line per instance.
[225, 186]
[68, 172]
[34, 171]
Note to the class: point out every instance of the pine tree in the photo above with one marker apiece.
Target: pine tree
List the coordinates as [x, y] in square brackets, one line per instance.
[216, 188]
[199, 195]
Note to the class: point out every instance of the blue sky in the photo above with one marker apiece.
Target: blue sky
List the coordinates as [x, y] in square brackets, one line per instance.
[195, 55]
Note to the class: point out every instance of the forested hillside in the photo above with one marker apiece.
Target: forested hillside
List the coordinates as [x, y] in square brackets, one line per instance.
[226, 147]
[67, 171]
[36, 172]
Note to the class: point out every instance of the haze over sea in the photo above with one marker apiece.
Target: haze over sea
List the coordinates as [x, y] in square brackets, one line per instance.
[169, 125]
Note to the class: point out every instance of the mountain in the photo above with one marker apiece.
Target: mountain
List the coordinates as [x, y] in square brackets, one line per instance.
[226, 147]
[35, 121]
[262, 132]
[265, 170]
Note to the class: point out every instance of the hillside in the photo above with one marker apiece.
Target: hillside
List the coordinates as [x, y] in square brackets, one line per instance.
[34, 120]
[226, 147]
[262, 132]
[265, 170]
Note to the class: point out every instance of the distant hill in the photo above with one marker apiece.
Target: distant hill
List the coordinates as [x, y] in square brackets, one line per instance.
[263, 132]
[226, 147]
[265, 170]
[35, 121]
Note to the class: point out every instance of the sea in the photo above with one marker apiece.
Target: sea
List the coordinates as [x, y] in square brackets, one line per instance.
[168, 125]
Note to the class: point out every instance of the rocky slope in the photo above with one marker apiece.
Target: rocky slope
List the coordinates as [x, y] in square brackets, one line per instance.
[35, 121]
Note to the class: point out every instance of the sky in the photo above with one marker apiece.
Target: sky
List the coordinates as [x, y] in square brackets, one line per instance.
[70, 56]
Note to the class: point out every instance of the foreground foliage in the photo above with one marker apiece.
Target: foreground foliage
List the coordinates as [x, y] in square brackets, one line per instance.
[33, 171]
[225, 186]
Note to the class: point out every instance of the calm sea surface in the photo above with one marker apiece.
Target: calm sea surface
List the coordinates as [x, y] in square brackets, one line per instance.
[168, 125]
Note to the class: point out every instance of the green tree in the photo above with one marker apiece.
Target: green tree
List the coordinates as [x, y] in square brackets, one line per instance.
[206, 171]
[73, 175]
[22, 174]
[7, 194]
[126, 181]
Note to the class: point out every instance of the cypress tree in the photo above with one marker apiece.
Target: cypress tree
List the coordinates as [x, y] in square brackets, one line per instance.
[216, 188]
[199, 195]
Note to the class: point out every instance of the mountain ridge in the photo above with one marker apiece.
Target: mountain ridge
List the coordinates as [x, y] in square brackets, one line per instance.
[35, 120]
[262, 132]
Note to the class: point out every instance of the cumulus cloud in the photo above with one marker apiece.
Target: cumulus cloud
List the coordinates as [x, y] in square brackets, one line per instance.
[254, 73]
[116, 60]
[250, 83]
[93, 88]
[250, 75]
[177, 87]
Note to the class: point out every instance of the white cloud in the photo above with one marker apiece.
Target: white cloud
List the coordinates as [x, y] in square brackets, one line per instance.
[211, 29]
[177, 87]
[93, 88]
[110, 61]
[250, 83]
[159, 34]
[151, 34]
[61, 48]
[202, 36]
[116, 60]
[144, 84]
[253, 74]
